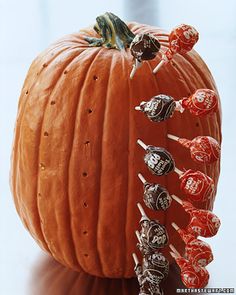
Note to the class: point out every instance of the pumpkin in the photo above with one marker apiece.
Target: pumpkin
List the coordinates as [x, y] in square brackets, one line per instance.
[75, 159]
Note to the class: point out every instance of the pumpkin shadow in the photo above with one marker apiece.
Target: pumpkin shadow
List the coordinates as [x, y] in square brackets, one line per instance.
[51, 278]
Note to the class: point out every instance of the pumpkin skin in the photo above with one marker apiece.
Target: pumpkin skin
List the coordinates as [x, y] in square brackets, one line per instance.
[75, 159]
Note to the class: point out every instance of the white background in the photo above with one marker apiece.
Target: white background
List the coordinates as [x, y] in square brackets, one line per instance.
[28, 26]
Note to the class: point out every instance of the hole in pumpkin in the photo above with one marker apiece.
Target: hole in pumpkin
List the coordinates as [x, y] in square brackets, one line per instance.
[89, 111]
[85, 232]
[86, 255]
[95, 78]
[45, 65]
[87, 142]
[85, 205]
[197, 124]
[85, 174]
[53, 102]
[45, 134]
[39, 195]
[41, 166]
[65, 72]
[26, 92]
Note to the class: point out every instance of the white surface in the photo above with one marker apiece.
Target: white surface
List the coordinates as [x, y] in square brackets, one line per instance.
[27, 27]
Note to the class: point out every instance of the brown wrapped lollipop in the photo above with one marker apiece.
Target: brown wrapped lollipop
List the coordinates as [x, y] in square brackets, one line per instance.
[153, 234]
[158, 160]
[157, 266]
[148, 280]
[155, 196]
[143, 47]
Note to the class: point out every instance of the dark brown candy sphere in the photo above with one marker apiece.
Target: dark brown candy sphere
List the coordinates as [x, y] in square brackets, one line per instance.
[144, 47]
[159, 160]
[159, 108]
[153, 234]
[156, 197]
[155, 265]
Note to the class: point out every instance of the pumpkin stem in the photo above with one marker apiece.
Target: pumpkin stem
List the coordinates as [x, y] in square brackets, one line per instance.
[113, 31]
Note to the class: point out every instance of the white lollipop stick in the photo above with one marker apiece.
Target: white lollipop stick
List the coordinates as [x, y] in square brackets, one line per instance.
[138, 236]
[137, 64]
[157, 68]
[175, 226]
[173, 255]
[135, 259]
[140, 176]
[137, 108]
[142, 211]
[179, 172]
[177, 199]
[142, 144]
[173, 249]
[176, 138]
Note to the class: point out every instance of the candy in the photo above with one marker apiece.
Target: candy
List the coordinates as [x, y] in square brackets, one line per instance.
[202, 223]
[181, 40]
[153, 235]
[196, 185]
[192, 276]
[148, 279]
[155, 197]
[196, 251]
[143, 47]
[161, 107]
[155, 266]
[203, 149]
[202, 102]
[158, 160]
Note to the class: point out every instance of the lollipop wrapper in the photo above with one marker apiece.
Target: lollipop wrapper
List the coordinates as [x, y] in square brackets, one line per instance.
[197, 186]
[201, 103]
[198, 252]
[144, 47]
[183, 38]
[204, 149]
[156, 197]
[159, 108]
[192, 276]
[159, 161]
[203, 223]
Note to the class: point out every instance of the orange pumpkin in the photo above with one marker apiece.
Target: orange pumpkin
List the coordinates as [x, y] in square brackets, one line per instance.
[75, 159]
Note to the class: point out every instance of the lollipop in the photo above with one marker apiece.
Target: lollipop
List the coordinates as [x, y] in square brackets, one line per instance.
[155, 266]
[181, 40]
[196, 251]
[196, 185]
[161, 107]
[203, 149]
[192, 276]
[202, 223]
[148, 281]
[153, 234]
[143, 47]
[155, 197]
[158, 160]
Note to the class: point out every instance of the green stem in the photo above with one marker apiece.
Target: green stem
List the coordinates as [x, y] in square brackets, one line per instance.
[113, 31]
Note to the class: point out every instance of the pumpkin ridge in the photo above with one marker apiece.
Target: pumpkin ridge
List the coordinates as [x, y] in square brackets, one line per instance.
[79, 101]
[21, 107]
[128, 168]
[36, 230]
[100, 176]
[39, 144]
